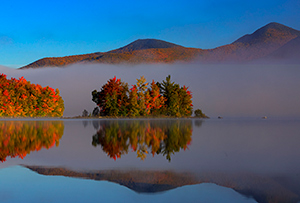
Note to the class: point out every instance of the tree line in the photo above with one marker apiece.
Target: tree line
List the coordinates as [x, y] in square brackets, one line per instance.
[18, 97]
[157, 99]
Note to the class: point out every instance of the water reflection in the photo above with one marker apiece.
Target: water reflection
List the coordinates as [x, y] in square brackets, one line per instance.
[117, 137]
[19, 138]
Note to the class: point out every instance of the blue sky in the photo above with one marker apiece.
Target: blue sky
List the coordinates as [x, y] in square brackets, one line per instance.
[31, 30]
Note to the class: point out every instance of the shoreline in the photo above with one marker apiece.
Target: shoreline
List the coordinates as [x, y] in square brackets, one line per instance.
[97, 118]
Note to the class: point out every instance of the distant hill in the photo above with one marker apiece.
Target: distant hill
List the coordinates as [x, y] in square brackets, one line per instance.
[141, 44]
[139, 51]
[253, 46]
[288, 52]
[153, 55]
[269, 34]
[260, 44]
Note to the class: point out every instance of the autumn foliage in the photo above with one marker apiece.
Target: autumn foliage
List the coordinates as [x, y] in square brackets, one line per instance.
[19, 98]
[159, 99]
[143, 137]
[19, 138]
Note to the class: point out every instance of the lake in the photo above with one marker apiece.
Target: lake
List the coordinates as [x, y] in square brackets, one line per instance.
[153, 160]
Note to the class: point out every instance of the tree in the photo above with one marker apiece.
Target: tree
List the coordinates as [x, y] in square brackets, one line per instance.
[166, 89]
[141, 86]
[96, 111]
[155, 101]
[185, 106]
[178, 100]
[133, 106]
[85, 113]
[166, 98]
[200, 114]
[112, 99]
[20, 98]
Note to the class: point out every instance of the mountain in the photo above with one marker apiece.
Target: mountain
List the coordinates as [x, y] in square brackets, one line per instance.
[288, 52]
[269, 34]
[139, 51]
[60, 61]
[253, 46]
[141, 44]
[260, 44]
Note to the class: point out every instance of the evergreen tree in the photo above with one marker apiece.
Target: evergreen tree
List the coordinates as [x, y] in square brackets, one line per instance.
[178, 101]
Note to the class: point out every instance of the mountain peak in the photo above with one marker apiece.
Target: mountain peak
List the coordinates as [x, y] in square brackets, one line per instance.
[274, 25]
[270, 33]
[145, 44]
[261, 43]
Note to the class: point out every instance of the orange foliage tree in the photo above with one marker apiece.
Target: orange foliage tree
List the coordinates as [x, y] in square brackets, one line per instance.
[19, 98]
[166, 99]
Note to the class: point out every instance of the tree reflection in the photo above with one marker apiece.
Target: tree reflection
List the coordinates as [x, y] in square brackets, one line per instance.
[19, 138]
[143, 137]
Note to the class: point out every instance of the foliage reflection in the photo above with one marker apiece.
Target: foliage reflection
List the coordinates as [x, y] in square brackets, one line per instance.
[19, 138]
[143, 136]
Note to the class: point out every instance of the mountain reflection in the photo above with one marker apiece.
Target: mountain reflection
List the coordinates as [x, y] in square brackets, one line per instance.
[19, 138]
[117, 137]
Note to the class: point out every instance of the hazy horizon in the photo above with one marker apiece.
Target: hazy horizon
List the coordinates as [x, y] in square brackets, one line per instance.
[228, 90]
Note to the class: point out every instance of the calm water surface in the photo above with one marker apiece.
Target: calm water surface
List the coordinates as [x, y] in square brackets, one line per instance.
[256, 157]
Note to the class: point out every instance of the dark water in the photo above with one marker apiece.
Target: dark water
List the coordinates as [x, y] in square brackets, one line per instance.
[256, 157]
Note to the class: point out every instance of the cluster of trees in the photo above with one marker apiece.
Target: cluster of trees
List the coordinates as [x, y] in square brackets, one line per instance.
[19, 138]
[166, 98]
[143, 137]
[20, 98]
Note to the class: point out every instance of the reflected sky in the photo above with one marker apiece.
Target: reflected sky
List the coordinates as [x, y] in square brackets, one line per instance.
[19, 184]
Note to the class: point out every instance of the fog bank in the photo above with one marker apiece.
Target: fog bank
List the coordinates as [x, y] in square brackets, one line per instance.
[226, 90]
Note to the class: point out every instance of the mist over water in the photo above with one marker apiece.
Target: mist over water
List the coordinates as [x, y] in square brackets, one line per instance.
[230, 90]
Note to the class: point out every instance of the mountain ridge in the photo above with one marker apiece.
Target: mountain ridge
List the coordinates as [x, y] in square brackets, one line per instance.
[263, 31]
[141, 44]
[261, 43]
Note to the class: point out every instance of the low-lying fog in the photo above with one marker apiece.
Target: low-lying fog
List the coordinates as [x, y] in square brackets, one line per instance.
[225, 90]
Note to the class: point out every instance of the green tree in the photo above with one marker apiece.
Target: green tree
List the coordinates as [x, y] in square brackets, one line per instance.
[199, 113]
[178, 101]
[166, 89]
[85, 113]
[185, 106]
[133, 106]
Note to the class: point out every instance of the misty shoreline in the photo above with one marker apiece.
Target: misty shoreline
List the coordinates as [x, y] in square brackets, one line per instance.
[99, 118]
[218, 90]
[229, 118]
